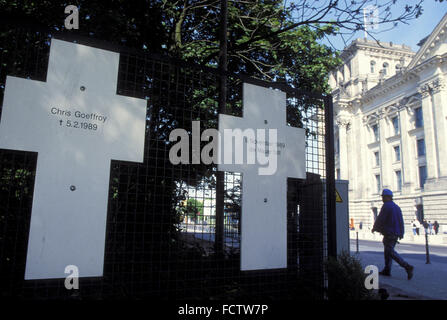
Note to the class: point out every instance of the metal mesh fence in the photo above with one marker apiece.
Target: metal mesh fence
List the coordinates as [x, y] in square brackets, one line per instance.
[161, 219]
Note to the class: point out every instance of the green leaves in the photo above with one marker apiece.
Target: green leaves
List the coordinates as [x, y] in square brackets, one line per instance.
[192, 208]
[189, 30]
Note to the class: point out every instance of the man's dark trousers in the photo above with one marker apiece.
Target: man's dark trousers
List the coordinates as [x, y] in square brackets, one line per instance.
[389, 242]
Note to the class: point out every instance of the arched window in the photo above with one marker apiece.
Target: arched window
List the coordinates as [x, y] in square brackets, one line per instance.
[385, 68]
[373, 66]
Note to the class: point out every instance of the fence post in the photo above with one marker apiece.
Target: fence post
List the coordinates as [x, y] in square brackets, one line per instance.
[330, 177]
[220, 176]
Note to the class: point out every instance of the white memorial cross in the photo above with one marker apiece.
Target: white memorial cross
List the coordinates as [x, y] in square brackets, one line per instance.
[264, 197]
[77, 124]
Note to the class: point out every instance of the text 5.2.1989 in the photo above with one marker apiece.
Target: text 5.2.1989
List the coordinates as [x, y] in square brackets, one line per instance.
[78, 125]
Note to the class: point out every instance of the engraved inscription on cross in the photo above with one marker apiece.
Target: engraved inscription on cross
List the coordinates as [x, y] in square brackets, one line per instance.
[77, 124]
[264, 195]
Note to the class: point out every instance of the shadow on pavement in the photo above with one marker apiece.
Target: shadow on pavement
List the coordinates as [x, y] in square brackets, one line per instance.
[428, 282]
[434, 258]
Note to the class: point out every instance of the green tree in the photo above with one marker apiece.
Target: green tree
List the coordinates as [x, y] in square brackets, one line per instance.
[193, 208]
[269, 39]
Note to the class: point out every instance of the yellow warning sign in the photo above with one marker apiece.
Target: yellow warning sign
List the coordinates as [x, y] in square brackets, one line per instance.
[337, 197]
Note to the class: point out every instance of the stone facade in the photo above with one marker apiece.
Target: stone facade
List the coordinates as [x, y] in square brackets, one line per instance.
[390, 111]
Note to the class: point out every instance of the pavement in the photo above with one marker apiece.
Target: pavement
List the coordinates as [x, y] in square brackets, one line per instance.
[439, 239]
[429, 280]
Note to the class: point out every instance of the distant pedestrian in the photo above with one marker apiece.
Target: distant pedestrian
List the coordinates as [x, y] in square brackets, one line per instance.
[430, 228]
[391, 225]
[413, 225]
[436, 226]
[418, 226]
[360, 225]
[425, 224]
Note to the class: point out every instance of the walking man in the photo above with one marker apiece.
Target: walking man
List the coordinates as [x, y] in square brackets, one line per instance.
[391, 225]
[436, 226]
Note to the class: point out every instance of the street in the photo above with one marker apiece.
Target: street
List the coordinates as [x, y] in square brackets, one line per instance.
[429, 281]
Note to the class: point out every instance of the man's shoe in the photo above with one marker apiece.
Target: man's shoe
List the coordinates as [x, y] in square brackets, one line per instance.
[383, 294]
[410, 272]
[385, 273]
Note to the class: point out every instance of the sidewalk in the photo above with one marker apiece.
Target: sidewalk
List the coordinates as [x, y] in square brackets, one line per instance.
[428, 283]
[409, 238]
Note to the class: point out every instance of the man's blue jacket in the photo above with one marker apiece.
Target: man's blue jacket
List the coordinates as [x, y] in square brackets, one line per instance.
[390, 221]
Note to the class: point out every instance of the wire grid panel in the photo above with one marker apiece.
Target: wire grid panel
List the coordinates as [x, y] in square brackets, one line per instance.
[161, 219]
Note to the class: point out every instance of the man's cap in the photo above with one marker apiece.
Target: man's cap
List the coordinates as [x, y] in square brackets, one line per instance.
[387, 192]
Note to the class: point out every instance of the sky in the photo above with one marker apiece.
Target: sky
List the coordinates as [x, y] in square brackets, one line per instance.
[409, 34]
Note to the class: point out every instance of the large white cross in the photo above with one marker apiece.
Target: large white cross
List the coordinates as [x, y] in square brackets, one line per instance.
[264, 197]
[77, 124]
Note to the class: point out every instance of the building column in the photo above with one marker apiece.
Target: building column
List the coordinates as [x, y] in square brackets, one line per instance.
[386, 176]
[355, 163]
[431, 153]
[405, 159]
[342, 122]
[439, 101]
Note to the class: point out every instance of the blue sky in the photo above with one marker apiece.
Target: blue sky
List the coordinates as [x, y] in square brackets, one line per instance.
[409, 34]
